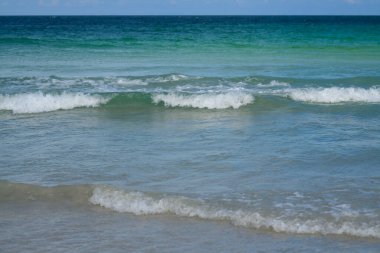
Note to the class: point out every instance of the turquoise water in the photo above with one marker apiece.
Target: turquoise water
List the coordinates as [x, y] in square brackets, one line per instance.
[199, 134]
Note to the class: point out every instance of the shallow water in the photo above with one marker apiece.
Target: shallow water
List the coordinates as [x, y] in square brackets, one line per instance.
[154, 134]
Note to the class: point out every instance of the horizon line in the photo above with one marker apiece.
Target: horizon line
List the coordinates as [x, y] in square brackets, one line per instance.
[189, 15]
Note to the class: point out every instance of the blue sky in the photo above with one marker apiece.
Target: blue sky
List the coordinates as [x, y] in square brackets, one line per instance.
[189, 7]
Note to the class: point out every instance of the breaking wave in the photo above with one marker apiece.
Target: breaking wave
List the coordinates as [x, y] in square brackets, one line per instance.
[144, 204]
[336, 95]
[39, 102]
[205, 101]
[140, 203]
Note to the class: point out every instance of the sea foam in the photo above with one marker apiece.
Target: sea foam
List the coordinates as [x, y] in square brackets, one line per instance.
[336, 95]
[40, 102]
[133, 81]
[273, 83]
[140, 203]
[207, 101]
